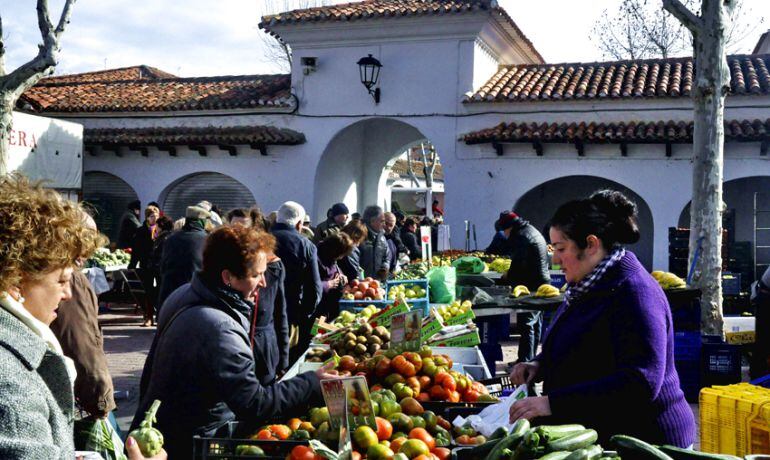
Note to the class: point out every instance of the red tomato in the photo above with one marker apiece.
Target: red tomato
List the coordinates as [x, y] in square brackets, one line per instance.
[302, 453]
[384, 429]
[442, 453]
[423, 435]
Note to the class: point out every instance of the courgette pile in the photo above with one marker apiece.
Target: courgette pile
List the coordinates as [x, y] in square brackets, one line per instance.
[564, 442]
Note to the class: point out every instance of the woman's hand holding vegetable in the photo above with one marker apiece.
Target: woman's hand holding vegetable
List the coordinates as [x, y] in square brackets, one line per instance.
[134, 453]
[325, 372]
[530, 408]
[525, 373]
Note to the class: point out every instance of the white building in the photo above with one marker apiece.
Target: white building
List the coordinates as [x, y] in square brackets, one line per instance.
[511, 130]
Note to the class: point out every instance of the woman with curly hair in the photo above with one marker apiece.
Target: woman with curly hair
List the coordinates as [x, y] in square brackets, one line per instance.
[41, 237]
[202, 361]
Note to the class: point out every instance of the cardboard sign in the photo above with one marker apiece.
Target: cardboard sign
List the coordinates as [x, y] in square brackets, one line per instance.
[336, 402]
[406, 331]
[427, 250]
[348, 400]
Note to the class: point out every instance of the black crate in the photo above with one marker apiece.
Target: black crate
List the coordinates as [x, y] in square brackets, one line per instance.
[226, 440]
[685, 309]
[721, 362]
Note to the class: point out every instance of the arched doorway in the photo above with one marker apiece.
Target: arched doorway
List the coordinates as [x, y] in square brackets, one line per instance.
[219, 189]
[738, 220]
[403, 183]
[351, 167]
[108, 195]
[539, 204]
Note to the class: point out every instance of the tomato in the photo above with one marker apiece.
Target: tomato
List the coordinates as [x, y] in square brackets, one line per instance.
[355, 456]
[414, 448]
[401, 365]
[422, 397]
[446, 381]
[302, 453]
[265, 434]
[384, 429]
[424, 381]
[464, 440]
[395, 445]
[442, 453]
[365, 436]
[454, 396]
[294, 424]
[423, 435]
[438, 393]
[379, 452]
[415, 359]
[471, 396]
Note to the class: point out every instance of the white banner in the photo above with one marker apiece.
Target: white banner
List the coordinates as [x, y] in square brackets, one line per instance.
[47, 149]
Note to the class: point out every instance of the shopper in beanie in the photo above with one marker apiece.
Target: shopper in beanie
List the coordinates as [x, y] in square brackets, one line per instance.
[129, 223]
[608, 355]
[201, 365]
[183, 253]
[374, 252]
[529, 267]
[336, 218]
[499, 244]
[303, 284]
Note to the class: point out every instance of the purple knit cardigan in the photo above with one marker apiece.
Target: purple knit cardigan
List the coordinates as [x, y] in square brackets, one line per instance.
[608, 362]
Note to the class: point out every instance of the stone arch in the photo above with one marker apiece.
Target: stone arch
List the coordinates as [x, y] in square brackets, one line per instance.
[219, 189]
[108, 196]
[540, 202]
[350, 168]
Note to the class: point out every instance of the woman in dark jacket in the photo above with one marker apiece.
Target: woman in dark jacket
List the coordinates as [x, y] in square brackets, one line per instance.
[141, 256]
[330, 250]
[351, 264]
[270, 325]
[201, 364]
[608, 356]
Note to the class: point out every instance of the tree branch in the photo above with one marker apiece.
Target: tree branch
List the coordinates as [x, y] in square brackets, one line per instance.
[685, 16]
[44, 23]
[65, 18]
[2, 49]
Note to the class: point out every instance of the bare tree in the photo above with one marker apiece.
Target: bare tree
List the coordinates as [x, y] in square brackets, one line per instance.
[13, 84]
[276, 52]
[712, 83]
[429, 162]
[641, 29]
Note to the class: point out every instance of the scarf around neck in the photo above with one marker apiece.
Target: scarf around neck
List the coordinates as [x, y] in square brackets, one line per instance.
[40, 329]
[584, 286]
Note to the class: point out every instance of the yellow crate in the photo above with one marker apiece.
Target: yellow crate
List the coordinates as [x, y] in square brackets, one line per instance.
[733, 420]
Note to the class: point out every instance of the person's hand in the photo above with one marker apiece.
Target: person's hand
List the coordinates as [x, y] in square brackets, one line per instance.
[334, 282]
[327, 372]
[530, 408]
[343, 280]
[134, 453]
[525, 372]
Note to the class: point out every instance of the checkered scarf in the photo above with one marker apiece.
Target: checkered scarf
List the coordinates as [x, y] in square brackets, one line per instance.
[582, 287]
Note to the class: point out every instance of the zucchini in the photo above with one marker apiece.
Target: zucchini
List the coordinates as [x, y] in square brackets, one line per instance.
[561, 455]
[550, 432]
[499, 433]
[677, 453]
[630, 448]
[518, 430]
[482, 449]
[575, 441]
[586, 453]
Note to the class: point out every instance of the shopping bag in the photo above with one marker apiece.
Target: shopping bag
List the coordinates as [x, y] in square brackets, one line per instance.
[99, 436]
[469, 265]
[442, 282]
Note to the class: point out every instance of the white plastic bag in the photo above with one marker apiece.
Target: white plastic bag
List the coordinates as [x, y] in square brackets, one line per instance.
[494, 416]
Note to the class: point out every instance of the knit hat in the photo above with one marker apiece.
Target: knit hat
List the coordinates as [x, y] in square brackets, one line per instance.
[506, 220]
[339, 209]
[196, 212]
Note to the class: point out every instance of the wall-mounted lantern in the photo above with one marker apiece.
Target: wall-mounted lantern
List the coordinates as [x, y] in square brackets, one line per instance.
[369, 68]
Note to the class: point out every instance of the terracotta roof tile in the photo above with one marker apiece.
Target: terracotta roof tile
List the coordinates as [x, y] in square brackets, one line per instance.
[158, 94]
[640, 132]
[237, 135]
[615, 80]
[138, 72]
[376, 9]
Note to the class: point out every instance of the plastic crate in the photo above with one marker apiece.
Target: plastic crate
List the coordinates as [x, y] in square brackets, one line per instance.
[732, 284]
[226, 439]
[357, 305]
[727, 414]
[421, 303]
[558, 279]
[721, 362]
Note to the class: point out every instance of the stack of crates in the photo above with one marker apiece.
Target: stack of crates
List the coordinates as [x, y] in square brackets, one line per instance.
[679, 251]
[735, 419]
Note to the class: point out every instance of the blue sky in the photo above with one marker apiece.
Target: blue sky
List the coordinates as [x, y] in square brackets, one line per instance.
[204, 37]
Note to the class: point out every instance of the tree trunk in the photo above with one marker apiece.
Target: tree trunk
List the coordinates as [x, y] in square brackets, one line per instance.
[6, 119]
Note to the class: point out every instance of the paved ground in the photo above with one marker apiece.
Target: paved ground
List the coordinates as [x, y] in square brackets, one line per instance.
[127, 344]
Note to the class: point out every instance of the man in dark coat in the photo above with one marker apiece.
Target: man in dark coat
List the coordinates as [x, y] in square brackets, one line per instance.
[183, 253]
[529, 267]
[129, 224]
[374, 251]
[336, 218]
[410, 239]
[393, 236]
[303, 287]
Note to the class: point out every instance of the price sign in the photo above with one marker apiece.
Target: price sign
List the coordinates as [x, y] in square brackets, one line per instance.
[406, 331]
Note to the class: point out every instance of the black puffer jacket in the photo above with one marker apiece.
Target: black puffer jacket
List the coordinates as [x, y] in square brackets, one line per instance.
[375, 255]
[182, 256]
[529, 256]
[201, 367]
[270, 326]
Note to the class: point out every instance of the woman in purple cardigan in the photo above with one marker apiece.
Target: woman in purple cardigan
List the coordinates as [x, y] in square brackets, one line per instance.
[333, 248]
[608, 356]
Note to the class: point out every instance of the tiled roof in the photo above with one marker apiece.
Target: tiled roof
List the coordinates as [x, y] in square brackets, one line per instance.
[237, 135]
[377, 9]
[632, 132]
[137, 72]
[164, 94]
[616, 80]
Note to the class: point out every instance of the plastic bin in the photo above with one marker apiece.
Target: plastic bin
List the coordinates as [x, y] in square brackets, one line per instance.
[732, 419]
[721, 362]
[731, 283]
[357, 305]
[422, 303]
[224, 442]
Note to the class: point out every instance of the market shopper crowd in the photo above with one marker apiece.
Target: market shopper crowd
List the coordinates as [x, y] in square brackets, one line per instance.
[235, 302]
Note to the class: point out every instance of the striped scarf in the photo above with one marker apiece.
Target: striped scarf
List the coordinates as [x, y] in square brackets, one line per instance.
[582, 287]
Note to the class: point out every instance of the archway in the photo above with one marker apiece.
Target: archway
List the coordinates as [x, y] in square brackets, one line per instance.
[738, 220]
[539, 204]
[219, 189]
[406, 190]
[350, 169]
[108, 195]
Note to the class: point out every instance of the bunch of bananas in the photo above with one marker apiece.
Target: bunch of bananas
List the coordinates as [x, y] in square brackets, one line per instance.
[500, 265]
[668, 280]
[546, 291]
[520, 290]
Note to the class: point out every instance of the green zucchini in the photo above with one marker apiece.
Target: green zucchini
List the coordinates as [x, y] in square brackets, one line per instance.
[561, 455]
[550, 432]
[586, 453]
[499, 433]
[575, 441]
[482, 449]
[519, 429]
[677, 453]
[630, 448]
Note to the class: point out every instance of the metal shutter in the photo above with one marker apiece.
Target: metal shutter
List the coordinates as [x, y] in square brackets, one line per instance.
[222, 191]
[109, 195]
